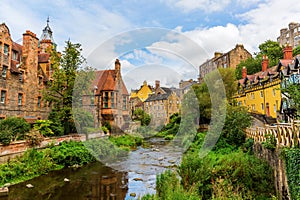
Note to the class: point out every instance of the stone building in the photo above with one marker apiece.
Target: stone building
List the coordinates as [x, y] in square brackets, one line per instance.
[111, 98]
[290, 35]
[25, 70]
[161, 105]
[224, 60]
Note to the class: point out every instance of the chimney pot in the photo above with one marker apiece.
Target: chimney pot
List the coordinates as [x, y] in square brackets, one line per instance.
[288, 52]
[244, 72]
[264, 63]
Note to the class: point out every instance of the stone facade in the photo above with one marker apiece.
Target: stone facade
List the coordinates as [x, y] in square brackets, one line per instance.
[25, 71]
[290, 36]
[161, 105]
[224, 60]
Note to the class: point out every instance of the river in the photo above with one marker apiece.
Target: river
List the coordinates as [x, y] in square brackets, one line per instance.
[130, 178]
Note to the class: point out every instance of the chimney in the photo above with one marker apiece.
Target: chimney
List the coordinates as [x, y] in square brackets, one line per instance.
[264, 63]
[157, 84]
[244, 72]
[288, 52]
[118, 68]
[30, 50]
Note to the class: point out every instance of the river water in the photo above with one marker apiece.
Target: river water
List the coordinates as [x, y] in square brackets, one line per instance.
[130, 178]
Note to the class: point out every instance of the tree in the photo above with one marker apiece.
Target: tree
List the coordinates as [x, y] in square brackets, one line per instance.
[142, 116]
[270, 48]
[296, 51]
[59, 93]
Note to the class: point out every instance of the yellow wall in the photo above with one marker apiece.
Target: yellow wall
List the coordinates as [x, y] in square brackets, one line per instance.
[264, 99]
[143, 93]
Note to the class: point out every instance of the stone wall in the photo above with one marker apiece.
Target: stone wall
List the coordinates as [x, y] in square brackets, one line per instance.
[18, 147]
[277, 163]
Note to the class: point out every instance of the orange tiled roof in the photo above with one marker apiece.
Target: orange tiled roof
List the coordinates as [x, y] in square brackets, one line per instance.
[105, 80]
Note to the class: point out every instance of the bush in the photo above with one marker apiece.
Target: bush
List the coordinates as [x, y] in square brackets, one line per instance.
[6, 136]
[18, 126]
[34, 138]
[43, 126]
[292, 163]
[270, 142]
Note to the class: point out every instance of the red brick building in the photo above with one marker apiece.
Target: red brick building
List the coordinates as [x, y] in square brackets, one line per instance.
[25, 70]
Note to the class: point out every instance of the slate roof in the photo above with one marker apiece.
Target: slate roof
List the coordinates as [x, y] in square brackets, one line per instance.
[155, 97]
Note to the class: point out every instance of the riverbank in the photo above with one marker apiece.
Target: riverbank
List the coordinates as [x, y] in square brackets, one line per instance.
[135, 175]
[37, 162]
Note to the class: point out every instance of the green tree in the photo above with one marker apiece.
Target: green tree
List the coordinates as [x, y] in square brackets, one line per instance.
[270, 48]
[296, 51]
[142, 116]
[59, 93]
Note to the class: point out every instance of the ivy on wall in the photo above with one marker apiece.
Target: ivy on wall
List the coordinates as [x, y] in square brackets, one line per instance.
[292, 162]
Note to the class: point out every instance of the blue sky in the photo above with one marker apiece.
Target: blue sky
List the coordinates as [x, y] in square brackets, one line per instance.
[160, 33]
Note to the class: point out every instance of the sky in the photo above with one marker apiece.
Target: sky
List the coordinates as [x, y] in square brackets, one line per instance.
[154, 40]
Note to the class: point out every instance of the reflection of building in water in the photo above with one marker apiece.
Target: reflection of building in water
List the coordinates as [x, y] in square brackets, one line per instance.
[112, 187]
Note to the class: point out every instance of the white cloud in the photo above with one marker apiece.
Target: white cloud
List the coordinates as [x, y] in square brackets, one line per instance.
[204, 5]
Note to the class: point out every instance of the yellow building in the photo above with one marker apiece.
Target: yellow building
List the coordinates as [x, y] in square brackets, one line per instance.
[260, 92]
[142, 93]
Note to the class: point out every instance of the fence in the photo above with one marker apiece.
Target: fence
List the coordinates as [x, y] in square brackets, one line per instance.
[286, 134]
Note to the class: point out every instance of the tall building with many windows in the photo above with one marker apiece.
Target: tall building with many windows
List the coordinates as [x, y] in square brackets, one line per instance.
[25, 70]
[290, 36]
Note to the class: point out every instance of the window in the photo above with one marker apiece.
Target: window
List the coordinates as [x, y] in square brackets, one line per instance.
[105, 99]
[262, 106]
[20, 98]
[274, 92]
[3, 96]
[124, 103]
[261, 94]
[40, 80]
[21, 77]
[253, 107]
[5, 49]
[244, 102]
[275, 108]
[4, 71]
[112, 100]
[39, 102]
[15, 55]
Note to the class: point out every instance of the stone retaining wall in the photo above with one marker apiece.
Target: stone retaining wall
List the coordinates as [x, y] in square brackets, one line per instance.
[18, 147]
[277, 163]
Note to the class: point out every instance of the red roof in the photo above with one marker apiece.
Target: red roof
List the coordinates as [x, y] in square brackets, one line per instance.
[106, 81]
[16, 46]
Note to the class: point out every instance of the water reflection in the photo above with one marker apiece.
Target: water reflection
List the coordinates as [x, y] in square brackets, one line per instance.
[90, 182]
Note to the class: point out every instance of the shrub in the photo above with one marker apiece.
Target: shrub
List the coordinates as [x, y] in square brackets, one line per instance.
[34, 137]
[270, 142]
[43, 126]
[18, 126]
[6, 136]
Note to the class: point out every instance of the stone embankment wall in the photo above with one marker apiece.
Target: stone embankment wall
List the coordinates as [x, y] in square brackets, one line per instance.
[18, 147]
[277, 163]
